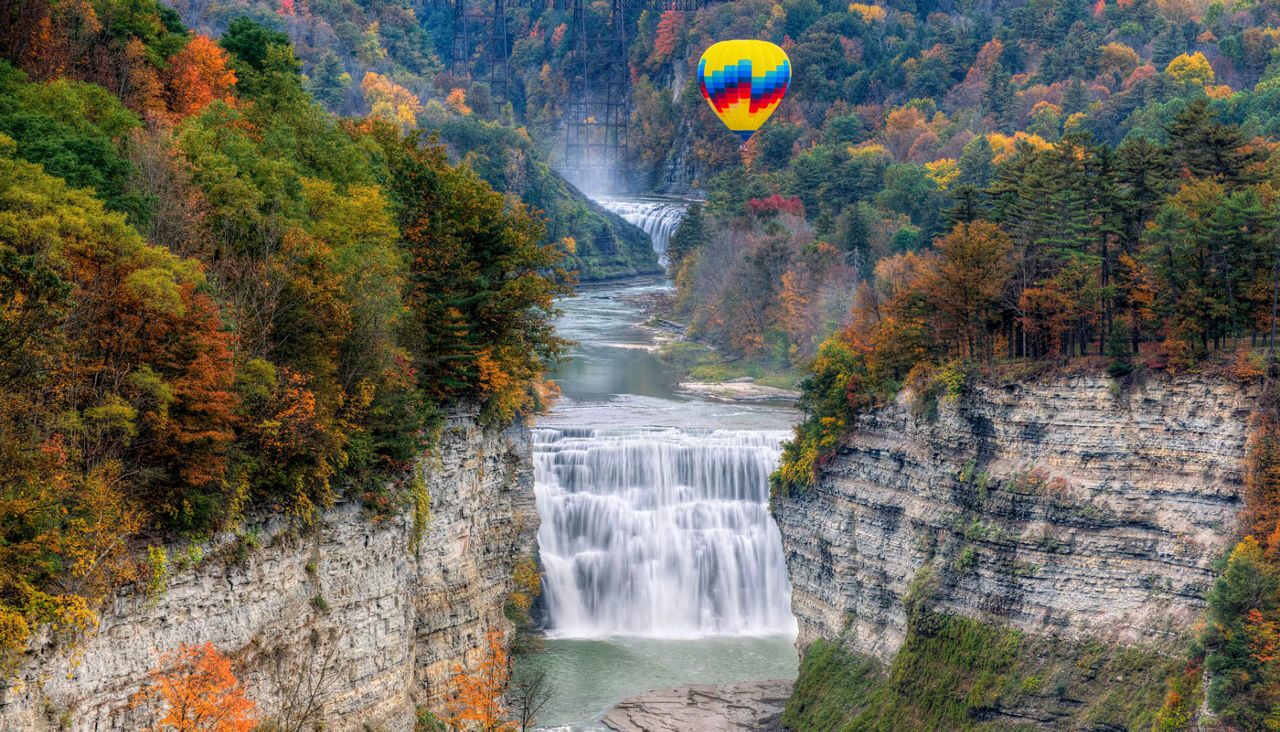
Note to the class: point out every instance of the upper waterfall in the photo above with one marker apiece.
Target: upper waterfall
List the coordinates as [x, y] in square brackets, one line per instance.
[661, 532]
[657, 217]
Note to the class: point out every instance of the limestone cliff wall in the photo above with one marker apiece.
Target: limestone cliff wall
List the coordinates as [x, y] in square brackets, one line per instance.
[345, 614]
[1068, 507]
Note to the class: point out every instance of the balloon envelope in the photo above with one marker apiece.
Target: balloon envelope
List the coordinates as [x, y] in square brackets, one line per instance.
[744, 81]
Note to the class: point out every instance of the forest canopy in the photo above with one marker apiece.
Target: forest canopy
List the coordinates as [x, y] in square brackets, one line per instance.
[949, 188]
[217, 297]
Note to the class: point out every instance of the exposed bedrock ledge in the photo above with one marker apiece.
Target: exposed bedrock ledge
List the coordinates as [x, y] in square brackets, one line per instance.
[1142, 489]
[746, 705]
[350, 597]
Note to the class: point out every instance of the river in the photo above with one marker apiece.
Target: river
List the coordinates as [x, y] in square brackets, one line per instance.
[662, 565]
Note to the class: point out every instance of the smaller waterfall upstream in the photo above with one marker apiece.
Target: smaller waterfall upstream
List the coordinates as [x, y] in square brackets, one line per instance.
[656, 217]
[660, 532]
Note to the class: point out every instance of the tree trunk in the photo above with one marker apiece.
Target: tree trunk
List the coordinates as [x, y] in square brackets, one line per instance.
[1275, 289]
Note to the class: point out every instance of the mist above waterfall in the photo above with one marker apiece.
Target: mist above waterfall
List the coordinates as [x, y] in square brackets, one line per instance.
[660, 532]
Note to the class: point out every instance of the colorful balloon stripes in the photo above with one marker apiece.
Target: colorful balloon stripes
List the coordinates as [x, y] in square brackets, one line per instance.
[744, 81]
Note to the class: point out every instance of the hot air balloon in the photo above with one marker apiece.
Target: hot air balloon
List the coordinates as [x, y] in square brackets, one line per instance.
[744, 81]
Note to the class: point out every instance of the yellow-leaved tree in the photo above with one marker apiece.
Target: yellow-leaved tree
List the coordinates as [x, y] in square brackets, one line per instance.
[390, 101]
[1191, 68]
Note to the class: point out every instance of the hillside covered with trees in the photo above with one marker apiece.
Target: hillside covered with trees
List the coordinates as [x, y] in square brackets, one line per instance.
[996, 192]
[216, 298]
[392, 61]
[218, 295]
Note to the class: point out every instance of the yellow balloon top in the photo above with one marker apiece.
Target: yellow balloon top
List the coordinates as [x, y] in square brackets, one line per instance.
[744, 81]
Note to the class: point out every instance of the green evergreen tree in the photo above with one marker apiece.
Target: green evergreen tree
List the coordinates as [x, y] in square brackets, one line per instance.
[824, 225]
[687, 238]
[999, 99]
[1143, 175]
[855, 236]
[1206, 148]
[329, 81]
[1169, 44]
[970, 205]
[1077, 97]
[250, 42]
[976, 163]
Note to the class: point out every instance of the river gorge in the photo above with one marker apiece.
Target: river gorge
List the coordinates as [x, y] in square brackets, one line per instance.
[687, 366]
[1072, 521]
[662, 565]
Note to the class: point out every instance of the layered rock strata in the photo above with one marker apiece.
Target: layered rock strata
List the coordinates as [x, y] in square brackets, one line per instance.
[348, 622]
[1068, 507]
[747, 705]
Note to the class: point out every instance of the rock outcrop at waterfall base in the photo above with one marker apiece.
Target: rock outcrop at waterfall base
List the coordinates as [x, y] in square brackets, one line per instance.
[1072, 512]
[347, 607]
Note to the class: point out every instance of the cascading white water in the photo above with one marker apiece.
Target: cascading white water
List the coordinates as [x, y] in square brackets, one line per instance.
[656, 217]
[660, 532]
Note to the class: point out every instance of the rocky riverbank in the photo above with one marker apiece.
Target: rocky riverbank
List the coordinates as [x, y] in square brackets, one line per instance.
[741, 389]
[708, 374]
[749, 705]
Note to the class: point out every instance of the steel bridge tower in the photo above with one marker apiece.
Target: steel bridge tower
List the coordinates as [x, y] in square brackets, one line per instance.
[481, 46]
[597, 113]
[598, 110]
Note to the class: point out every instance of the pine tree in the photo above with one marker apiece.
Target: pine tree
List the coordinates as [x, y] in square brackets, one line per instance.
[329, 81]
[1202, 147]
[1076, 98]
[688, 236]
[999, 100]
[855, 237]
[970, 205]
[976, 163]
[1106, 214]
[1168, 45]
[1143, 176]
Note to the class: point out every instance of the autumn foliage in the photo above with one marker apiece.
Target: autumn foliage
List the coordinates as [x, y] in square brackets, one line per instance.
[669, 28]
[390, 101]
[197, 75]
[214, 296]
[1239, 647]
[476, 697]
[1074, 249]
[194, 689]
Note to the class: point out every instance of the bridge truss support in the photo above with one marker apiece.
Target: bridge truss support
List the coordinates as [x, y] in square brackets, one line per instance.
[598, 110]
[597, 113]
[481, 45]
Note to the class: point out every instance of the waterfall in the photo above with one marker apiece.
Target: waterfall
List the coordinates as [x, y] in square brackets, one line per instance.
[656, 217]
[660, 532]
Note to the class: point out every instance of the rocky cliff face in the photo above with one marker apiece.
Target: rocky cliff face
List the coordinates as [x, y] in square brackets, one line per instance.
[1070, 508]
[344, 616]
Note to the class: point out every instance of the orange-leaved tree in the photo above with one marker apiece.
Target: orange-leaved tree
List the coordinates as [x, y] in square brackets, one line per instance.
[477, 698]
[967, 283]
[198, 74]
[195, 690]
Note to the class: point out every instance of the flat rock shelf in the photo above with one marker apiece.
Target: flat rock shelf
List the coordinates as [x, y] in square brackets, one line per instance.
[749, 705]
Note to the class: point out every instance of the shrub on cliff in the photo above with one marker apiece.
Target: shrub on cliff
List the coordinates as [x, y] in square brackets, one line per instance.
[195, 689]
[956, 673]
[1242, 639]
